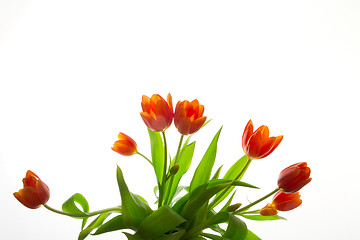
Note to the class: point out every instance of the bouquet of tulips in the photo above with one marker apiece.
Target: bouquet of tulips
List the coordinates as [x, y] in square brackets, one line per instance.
[203, 209]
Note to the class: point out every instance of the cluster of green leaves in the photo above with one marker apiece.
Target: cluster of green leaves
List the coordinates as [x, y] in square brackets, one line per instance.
[182, 218]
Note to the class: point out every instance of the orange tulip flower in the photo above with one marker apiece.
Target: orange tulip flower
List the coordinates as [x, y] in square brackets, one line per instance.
[157, 113]
[294, 177]
[282, 202]
[189, 116]
[125, 146]
[35, 192]
[258, 144]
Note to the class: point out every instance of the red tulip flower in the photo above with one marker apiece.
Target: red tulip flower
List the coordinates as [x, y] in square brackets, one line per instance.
[35, 192]
[125, 146]
[189, 117]
[294, 177]
[282, 202]
[258, 144]
[157, 113]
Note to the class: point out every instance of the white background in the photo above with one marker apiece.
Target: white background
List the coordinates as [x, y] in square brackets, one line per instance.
[73, 72]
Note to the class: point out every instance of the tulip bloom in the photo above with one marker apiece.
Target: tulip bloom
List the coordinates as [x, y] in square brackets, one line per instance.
[258, 144]
[125, 146]
[294, 177]
[282, 202]
[35, 192]
[157, 113]
[189, 116]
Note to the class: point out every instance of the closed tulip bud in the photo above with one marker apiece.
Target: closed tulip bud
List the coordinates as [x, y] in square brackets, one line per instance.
[125, 146]
[174, 169]
[281, 202]
[258, 144]
[268, 210]
[234, 207]
[189, 117]
[294, 177]
[157, 113]
[286, 202]
[34, 193]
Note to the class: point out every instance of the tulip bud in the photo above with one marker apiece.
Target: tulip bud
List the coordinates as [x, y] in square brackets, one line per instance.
[268, 210]
[281, 202]
[233, 207]
[125, 146]
[174, 169]
[34, 193]
[294, 177]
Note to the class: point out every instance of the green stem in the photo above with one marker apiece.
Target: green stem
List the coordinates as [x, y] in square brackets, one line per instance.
[226, 189]
[257, 201]
[162, 186]
[85, 215]
[145, 158]
[172, 176]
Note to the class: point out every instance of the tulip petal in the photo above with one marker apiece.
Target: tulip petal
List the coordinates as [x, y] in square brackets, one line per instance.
[249, 128]
[197, 124]
[21, 199]
[183, 125]
[266, 147]
[43, 191]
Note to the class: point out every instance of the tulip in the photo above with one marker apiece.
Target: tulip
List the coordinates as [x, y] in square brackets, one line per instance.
[125, 146]
[35, 192]
[282, 202]
[268, 210]
[286, 202]
[258, 144]
[294, 177]
[189, 117]
[157, 113]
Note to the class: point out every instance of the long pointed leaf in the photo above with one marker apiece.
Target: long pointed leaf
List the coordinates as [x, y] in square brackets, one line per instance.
[236, 230]
[203, 171]
[114, 224]
[231, 175]
[157, 154]
[161, 221]
[252, 236]
[93, 225]
[184, 164]
[134, 210]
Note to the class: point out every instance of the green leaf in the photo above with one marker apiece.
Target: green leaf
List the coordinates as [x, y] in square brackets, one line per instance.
[157, 154]
[236, 230]
[258, 217]
[231, 175]
[228, 202]
[184, 164]
[204, 192]
[70, 207]
[203, 171]
[93, 225]
[134, 210]
[217, 173]
[159, 222]
[114, 224]
[252, 236]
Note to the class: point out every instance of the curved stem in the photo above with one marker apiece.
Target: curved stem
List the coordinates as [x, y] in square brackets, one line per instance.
[147, 159]
[256, 202]
[172, 176]
[85, 215]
